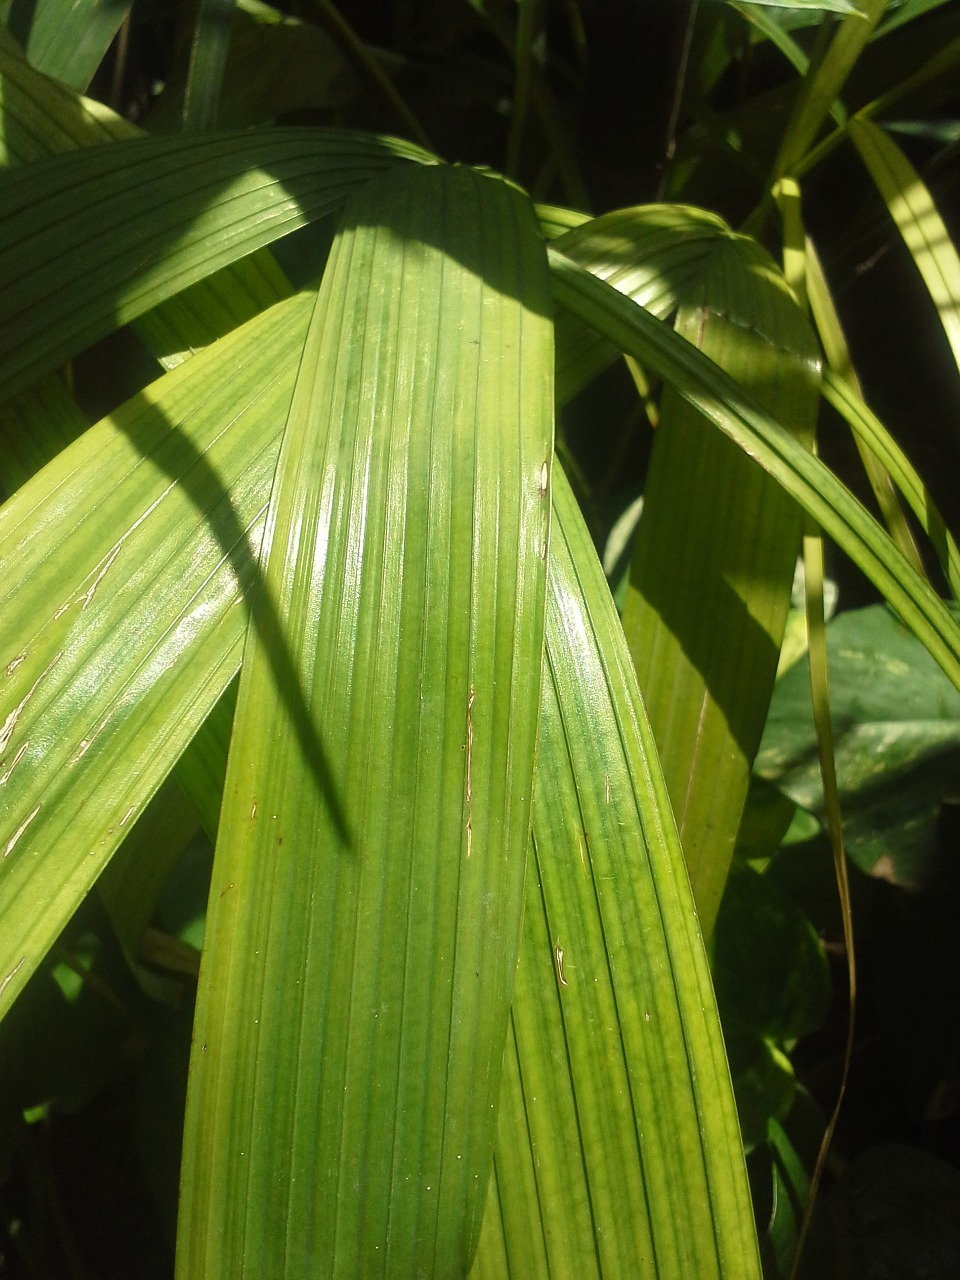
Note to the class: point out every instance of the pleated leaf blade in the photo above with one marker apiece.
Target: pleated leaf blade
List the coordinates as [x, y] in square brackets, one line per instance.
[770, 445]
[618, 1151]
[364, 914]
[123, 567]
[93, 239]
[718, 539]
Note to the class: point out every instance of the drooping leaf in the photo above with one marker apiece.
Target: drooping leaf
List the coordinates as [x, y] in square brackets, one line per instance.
[40, 118]
[651, 253]
[364, 925]
[93, 239]
[840, 371]
[875, 437]
[913, 210]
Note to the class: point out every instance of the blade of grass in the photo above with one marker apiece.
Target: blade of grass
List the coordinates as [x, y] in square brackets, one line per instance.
[822, 84]
[820, 696]
[355, 49]
[913, 210]
[814, 6]
[529, 21]
[208, 60]
[827, 320]
[873, 435]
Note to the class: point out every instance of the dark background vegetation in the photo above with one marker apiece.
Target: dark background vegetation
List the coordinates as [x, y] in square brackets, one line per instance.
[619, 110]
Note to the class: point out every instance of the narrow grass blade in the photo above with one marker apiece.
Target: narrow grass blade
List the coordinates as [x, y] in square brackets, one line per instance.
[368, 883]
[718, 538]
[208, 60]
[770, 445]
[813, 6]
[912, 209]
[873, 435]
[822, 84]
[813, 564]
[618, 1151]
[123, 565]
[909, 11]
[834, 342]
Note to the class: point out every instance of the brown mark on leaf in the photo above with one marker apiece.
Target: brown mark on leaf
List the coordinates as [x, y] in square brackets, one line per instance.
[470, 702]
[19, 831]
[12, 974]
[12, 666]
[558, 957]
[230, 886]
[606, 787]
[15, 761]
[10, 724]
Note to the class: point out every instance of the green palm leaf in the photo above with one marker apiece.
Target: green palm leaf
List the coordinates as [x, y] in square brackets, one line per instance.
[364, 915]
[123, 566]
[618, 1151]
[770, 445]
[93, 239]
[718, 538]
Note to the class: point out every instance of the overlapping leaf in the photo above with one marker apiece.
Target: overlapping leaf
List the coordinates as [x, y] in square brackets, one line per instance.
[770, 445]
